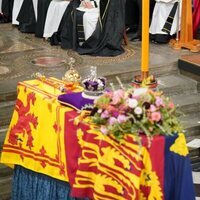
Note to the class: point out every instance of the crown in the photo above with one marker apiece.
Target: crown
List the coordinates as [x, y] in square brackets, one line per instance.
[93, 88]
[94, 85]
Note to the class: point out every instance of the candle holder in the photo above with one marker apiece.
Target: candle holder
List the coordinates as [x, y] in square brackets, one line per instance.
[144, 80]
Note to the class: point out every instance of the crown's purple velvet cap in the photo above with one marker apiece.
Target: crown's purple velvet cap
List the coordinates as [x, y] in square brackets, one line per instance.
[75, 100]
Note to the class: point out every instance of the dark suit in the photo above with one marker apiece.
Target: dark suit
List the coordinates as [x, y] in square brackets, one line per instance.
[134, 14]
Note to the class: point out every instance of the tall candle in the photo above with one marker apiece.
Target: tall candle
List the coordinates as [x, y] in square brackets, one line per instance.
[145, 39]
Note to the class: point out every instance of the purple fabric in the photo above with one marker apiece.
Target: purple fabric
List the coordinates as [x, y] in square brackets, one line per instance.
[75, 100]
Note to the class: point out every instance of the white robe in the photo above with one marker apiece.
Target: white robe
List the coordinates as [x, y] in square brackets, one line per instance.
[90, 19]
[35, 6]
[160, 14]
[0, 6]
[16, 8]
[54, 15]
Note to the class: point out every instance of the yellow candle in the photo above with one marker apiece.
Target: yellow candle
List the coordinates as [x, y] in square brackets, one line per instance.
[145, 37]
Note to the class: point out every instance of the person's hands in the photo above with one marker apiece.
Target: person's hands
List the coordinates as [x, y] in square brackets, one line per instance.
[86, 4]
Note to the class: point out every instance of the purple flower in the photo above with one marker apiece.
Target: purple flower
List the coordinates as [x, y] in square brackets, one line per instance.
[115, 113]
[159, 101]
[152, 108]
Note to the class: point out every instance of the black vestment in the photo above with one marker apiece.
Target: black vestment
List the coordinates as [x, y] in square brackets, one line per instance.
[67, 27]
[42, 8]
[26, 17]
[133, 16]
[6, 7]
[107, 38]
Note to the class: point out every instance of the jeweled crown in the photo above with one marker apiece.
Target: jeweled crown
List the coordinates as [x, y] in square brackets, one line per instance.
[94, 83]
[97, 84]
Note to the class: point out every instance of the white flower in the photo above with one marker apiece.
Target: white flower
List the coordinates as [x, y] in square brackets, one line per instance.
[132, 103]
[140, 91]
[100, 111]
[138, 110]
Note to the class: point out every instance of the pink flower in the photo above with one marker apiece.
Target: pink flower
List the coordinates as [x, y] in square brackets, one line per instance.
[112, 120]
[121, 118]
[156, 116]
[159, 101]
[122, 108]
[105, 114]
[152, 108]
[104, 130]
[113, 110]
[171, 105]
[117, 96]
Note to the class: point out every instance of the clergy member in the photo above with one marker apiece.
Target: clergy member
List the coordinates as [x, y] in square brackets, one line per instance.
[106, 40]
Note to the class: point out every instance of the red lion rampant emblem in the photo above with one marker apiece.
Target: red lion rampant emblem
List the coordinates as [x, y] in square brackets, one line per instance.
[25, 119]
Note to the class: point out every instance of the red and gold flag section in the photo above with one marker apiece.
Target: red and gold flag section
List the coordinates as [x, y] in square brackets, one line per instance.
[35, 138]
[100, 167]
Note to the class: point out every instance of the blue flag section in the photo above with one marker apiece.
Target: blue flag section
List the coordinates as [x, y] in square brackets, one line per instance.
[179, 187]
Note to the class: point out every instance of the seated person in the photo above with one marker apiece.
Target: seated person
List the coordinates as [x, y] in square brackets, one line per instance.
[27, 16]
[42, 8]
[54, 15]
[87, 15]
[107, 37]
[88, 4]
[32, 16]
[6, 11]
[133, 17]
[164, 21]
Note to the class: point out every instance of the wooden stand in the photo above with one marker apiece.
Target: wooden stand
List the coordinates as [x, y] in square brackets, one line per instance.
[186, 34]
